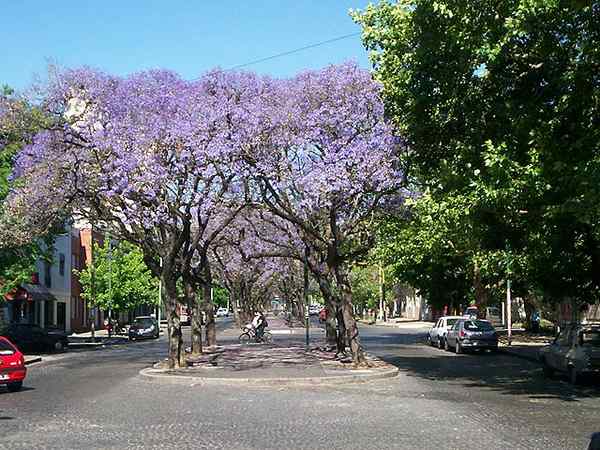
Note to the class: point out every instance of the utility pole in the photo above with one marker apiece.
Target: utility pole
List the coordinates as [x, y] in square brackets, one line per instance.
[508, 299]
[110, 297]
[93, 287]
[382, 305]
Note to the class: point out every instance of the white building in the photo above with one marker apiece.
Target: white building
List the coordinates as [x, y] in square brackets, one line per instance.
[45, 301]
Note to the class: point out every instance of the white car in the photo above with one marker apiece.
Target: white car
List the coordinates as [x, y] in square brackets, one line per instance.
[222, 312]
[437, 335]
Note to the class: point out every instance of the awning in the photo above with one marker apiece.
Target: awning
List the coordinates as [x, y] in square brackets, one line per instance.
[30, 293]
[18, 294]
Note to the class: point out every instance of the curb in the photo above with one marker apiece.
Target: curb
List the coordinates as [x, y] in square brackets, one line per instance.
[33, 360]
[162, 375]
[505, 351]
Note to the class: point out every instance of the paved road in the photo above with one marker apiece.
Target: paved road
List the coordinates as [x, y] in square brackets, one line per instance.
[440, 400]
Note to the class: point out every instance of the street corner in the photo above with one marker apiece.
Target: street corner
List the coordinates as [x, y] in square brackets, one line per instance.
[32, 359]
[271, 366]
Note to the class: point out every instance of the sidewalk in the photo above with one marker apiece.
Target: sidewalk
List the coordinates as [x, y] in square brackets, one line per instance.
[271, 365]
[79, 342]
[525, 346]
[399, 322]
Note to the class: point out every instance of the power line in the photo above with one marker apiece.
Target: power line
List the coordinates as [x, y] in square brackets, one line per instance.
[296, 50]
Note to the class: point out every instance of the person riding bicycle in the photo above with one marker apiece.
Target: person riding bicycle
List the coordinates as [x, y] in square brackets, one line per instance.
[259, 323]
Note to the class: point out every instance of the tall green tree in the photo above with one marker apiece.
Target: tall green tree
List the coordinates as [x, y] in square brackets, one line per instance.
[500, 102]
[119, 277]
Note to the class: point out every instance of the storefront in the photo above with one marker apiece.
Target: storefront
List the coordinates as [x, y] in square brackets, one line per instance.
[33, 304]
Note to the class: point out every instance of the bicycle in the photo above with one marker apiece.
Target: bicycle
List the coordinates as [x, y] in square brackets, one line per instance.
[249, 335]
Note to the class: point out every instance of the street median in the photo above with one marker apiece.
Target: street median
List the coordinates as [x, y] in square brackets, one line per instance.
[270, 365]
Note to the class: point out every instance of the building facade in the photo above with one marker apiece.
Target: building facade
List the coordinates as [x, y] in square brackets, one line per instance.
[46, 300]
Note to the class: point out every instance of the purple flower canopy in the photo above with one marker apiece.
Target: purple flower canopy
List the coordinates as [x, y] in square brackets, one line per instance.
[148, 148]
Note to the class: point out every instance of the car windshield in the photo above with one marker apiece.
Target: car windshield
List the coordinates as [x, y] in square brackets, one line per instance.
[143, 323]
[478, 325]
[591, 338]
[6, 348]
[451, 322]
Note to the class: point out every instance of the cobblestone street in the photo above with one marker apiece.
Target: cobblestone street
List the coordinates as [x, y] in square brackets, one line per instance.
[439, 400]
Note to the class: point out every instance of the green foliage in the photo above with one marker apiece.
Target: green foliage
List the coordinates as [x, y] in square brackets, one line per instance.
[220, 296]
[119, 278]
[500, 102]
[365, 287]
[17, 263]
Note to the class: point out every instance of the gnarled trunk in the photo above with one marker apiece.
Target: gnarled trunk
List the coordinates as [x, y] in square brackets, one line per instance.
[176, 357]
[209, 309]
[331, 334]
[351, 328]
[195, 306]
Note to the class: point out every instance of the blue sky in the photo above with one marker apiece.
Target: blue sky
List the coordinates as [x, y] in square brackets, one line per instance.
[190, 37]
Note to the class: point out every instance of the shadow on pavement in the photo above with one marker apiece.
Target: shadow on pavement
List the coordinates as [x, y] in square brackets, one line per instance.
[504, 373]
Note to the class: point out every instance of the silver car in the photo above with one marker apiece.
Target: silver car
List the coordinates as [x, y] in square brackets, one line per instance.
[471, 334]
[437, 334]
[575, 351]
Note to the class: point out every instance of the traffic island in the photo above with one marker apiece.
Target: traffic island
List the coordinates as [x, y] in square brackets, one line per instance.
[270, 365]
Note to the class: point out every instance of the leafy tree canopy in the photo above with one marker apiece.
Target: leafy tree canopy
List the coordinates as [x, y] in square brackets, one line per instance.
[119, 277]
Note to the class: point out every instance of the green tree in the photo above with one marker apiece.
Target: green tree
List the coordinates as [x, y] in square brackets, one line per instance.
[18, 121]
[500, 104]
[122, 280]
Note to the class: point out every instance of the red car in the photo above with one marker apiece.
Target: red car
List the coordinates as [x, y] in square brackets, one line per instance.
[12, 365]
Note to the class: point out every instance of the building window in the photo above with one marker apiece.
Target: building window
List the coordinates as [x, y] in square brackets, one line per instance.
[47, 274]
[61, 265]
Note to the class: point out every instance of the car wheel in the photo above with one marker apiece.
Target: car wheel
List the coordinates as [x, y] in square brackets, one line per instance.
[59, 346]
[458, 348]
[15, 386]
[548, 371]
[131, 338]
[573, 378]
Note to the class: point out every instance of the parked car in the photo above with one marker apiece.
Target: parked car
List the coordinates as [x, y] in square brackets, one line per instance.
[12, 365]
[471, 334]
[29, 337]
[144, 327]
[222, 312]
[437, 334]
[492, 314]
[575, 351]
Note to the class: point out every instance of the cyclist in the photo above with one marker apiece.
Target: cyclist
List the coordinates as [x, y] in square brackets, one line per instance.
[259, 323]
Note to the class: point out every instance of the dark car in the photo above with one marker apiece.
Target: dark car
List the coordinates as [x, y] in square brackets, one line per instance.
[471, 334]
[144, 327]
[29, 337]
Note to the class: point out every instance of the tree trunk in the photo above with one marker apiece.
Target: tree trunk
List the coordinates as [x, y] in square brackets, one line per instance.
[176, 357]
[194, 308]
[341, 342]
[331, 337]
[529, 307]
[481, 294]
[351, 328]
[209, 309]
